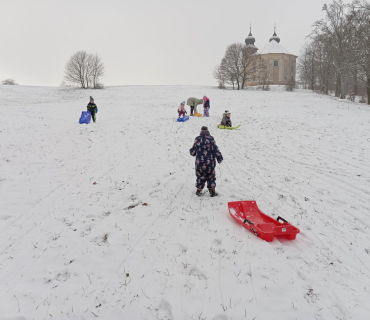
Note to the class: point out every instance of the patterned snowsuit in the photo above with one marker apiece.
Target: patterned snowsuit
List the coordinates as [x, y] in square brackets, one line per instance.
[206, 152]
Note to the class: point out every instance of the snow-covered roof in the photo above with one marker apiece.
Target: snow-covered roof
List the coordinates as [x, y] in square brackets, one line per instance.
[273, 47]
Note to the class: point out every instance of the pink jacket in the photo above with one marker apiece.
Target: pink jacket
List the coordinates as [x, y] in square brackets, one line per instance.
[181, 108]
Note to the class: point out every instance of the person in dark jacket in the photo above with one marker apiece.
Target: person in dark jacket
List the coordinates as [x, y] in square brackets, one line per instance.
[206, 106]
[226, 121]
[206, 152]
[92, 108]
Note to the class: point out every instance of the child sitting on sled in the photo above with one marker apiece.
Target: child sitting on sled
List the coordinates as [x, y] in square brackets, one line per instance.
[226, 121]
[181, 110]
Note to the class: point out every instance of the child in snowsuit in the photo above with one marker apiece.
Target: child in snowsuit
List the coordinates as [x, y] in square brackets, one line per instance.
[192, 103]
[226, 121]
[206, 106]
[206, 152]
[92, 108]
[181, 110]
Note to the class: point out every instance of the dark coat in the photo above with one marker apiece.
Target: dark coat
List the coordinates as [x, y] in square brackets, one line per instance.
[226, 121]
[206, 151]
[207, 104]
[92, 107]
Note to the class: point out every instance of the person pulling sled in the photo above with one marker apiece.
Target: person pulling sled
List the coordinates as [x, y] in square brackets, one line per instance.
[92, 108]
[206, 152]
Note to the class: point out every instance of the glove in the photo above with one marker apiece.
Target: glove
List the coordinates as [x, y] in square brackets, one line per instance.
[96, 110]
[186, 112]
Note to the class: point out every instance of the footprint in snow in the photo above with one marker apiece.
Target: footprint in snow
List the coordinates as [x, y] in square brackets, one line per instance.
[195, 271]
[63, 276]
[164, 312]
[5, 217]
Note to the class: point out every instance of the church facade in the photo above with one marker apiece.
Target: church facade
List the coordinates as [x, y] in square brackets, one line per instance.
[275, 65]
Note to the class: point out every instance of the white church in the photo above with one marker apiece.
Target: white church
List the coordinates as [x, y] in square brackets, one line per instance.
[280, 63]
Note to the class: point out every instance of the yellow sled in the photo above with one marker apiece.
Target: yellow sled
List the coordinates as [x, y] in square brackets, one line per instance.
[197, 114]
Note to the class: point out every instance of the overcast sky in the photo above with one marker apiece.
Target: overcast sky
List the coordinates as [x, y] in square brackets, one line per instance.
[142, 41]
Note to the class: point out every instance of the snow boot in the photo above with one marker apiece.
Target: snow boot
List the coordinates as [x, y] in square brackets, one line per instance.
[198, 193]
[212, 192]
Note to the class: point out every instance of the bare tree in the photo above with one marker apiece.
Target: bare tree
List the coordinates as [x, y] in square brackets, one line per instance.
[74, 71]
[337, 31]
[233, 63]
[219, 76]
[239, 65]
[228, 72]
[84, 70]
[265, 74]
[251, 65]
[98, 70]
[336, 57]
[9, 81]
[360, 15]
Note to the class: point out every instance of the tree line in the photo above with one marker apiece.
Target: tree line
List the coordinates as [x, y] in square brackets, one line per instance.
[336, 57]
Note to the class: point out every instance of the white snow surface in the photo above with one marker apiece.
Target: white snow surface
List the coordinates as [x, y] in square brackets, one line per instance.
[78, 243]
[273, 47]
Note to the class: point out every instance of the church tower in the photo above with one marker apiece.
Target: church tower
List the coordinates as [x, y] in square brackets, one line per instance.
[275, 36]
[250, 40]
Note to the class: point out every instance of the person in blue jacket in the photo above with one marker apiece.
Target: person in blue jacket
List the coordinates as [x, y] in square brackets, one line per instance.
[207, 153]
[92, 107]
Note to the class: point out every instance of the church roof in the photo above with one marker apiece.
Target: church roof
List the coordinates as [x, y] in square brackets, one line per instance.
[273, 47]
[250, 40]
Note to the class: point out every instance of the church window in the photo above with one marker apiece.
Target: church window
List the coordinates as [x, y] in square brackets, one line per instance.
[276, 63]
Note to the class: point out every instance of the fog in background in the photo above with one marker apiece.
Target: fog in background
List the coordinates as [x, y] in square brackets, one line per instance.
[147, 42]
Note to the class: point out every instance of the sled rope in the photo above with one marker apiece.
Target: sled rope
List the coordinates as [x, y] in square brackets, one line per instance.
[234, 175]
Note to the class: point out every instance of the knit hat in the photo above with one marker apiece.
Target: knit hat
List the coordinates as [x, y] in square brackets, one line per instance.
[91, 99]
[227, 112]
[183, 102]
[204, 131]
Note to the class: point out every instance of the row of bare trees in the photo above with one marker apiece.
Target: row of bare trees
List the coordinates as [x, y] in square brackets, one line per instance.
[336, 56]
[239, 66]
[85, 70]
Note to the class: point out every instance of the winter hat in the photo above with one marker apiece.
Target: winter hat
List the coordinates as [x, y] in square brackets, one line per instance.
[204, 131]
[183, 102]
[205, 98]
[91, 99]
[227, 112]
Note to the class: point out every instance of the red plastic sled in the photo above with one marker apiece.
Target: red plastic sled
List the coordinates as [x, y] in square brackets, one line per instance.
[252, 218]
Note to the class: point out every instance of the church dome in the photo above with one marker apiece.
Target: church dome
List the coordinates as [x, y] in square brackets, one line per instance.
[250, 40]
[275, 37]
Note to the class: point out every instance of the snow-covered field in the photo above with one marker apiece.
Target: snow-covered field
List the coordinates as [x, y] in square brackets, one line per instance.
[77, 241]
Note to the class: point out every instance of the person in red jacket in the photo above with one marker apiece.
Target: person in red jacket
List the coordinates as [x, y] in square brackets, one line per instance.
[181, 109]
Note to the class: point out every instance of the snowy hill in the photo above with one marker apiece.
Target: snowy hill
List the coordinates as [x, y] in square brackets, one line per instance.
[101, 220]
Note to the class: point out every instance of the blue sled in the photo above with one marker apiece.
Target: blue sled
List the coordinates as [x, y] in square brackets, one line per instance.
[85, 117]
[183, 119]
